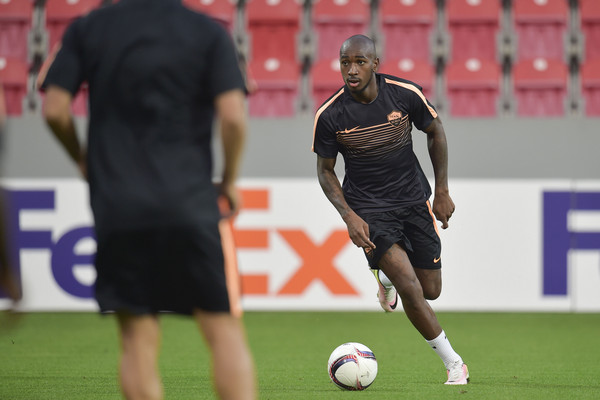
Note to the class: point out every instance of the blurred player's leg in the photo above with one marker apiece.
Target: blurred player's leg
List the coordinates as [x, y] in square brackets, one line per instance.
[232, 362]
[140, 344]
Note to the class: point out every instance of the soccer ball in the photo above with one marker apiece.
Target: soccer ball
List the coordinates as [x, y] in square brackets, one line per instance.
[352, 366]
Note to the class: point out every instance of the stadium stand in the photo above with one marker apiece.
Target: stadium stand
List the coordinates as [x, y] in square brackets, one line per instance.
[473, 87]
[407, 26]
[589, 11]
[335, 21]
[13, 77]
[277, 87]
[418, 71]
[540, 28]
[273, 26]
[590, 87]
[473, 26]
[326, 79]
[222, 10]
[540, 87]
[15, 23]
[59, 13]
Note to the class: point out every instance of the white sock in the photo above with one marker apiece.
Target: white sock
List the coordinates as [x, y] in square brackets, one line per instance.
[444, 349]
[385, 281]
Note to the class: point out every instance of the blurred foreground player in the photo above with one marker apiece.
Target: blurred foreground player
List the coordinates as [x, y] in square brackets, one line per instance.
[8, 281]
[157, 73]
[384, 197]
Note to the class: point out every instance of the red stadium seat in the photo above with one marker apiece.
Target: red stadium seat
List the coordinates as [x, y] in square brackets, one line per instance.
[277, 87]
[589, 10]
[590, 87]
[540, 86]
[15, 23]
[418, 71]
[473, 87]
[540, 26]
[326, 79]
[221, 10]
[473, 26]
[60, 13]
[337, 20]
[407, 26]
[273, 26]
[13, 77]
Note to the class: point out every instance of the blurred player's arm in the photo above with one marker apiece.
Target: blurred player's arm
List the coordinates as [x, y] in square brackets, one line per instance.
[231, 115]
[443, 206]
[57, 113]
[8, 281]
[358, 229]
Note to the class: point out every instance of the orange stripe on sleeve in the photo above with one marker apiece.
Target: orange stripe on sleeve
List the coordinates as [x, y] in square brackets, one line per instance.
[320, 111]
[417, 91]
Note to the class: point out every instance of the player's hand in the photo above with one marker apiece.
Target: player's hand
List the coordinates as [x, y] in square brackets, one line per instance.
[358, 230]
[443, 207]
[229, 200]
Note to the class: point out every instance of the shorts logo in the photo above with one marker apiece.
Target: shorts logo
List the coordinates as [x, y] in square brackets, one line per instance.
[436, 260]
[395, 118]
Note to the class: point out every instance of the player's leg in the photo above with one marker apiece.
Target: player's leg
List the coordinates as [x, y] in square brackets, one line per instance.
[431, 282]
[232, 362]
[397, 267]
[140, 346]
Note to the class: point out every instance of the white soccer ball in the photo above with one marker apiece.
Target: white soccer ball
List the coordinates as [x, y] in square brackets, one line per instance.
[352, 366]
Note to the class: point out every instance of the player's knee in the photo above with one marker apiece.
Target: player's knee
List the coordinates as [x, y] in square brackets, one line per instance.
[432, 292]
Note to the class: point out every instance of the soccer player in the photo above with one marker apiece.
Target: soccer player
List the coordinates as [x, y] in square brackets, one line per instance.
[8, 281]
[384, 199]
[157, 73]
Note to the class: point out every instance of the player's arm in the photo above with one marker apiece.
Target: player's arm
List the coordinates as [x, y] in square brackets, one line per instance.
[443, 206]
[358, 230]
[231, 115]
[57, 113]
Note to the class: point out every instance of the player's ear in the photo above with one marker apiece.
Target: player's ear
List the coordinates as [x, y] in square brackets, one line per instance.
[375, 64]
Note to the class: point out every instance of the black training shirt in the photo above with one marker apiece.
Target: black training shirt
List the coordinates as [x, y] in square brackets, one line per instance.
[382, 172]
[153, 68]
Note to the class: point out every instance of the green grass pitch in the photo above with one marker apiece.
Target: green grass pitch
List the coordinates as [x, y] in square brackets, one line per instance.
[510, 356]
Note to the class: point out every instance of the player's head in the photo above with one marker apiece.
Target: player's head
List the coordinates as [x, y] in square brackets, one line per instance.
[358, 63]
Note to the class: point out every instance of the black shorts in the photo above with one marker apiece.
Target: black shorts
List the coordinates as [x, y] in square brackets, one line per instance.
[154, 270]
[413, 228]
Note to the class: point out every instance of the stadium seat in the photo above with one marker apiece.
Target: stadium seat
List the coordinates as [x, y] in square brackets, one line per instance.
[326, 79]
[473, 27]
[15, 23]
[407, 26]
[277, 87]
[273, 26]
[589, 11]
[13, 77]
[335, 21]
[473, 87]
[60, 13]
[540, 27]
[540, 87]
[418, 71]
[590, 87]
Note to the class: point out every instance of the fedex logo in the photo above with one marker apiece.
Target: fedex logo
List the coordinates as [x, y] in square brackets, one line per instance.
[559, 239]
[316, 257]
[64, 257]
